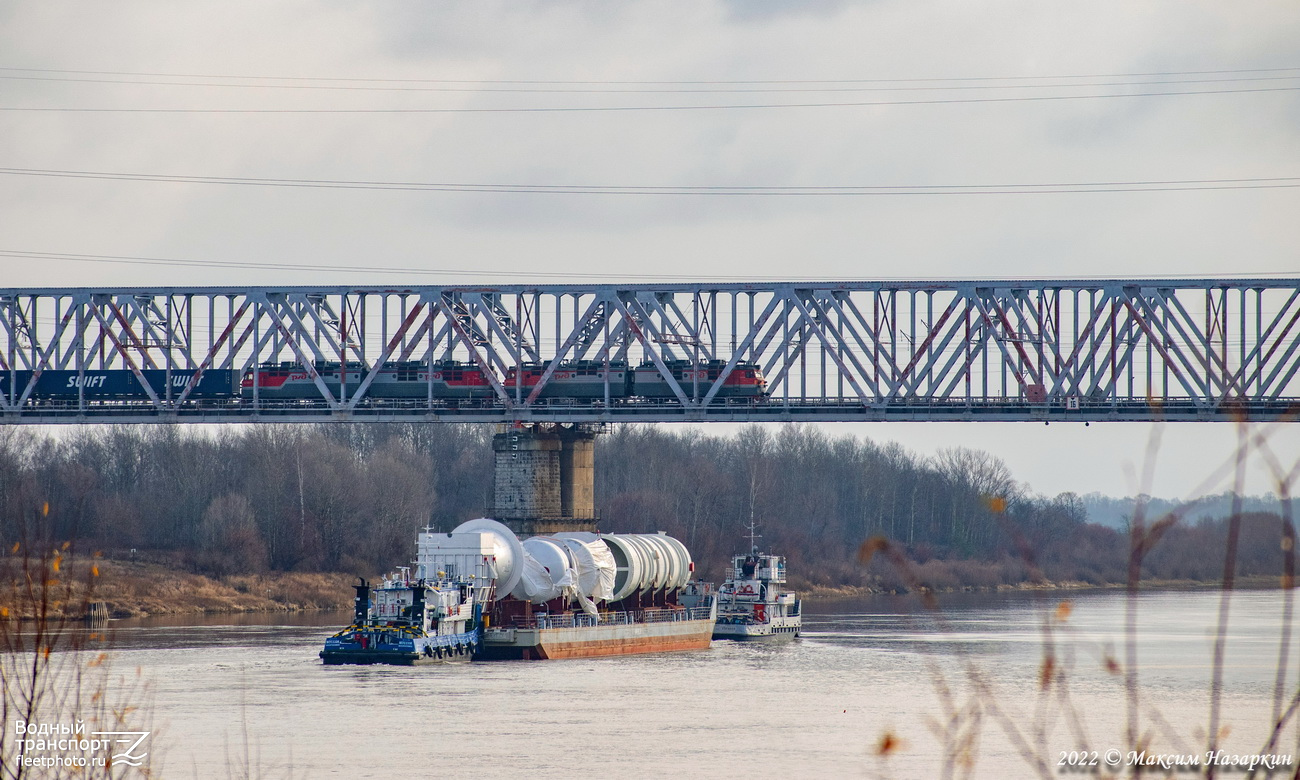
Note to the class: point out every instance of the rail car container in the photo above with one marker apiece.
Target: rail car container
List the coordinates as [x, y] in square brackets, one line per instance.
[745, 380]
[120, 384]
[446, 379]
[576, 379]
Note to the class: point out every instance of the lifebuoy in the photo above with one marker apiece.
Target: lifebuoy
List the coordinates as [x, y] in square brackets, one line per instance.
[760, 613]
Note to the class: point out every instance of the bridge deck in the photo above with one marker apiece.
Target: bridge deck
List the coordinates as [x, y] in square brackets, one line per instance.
[1118, 349]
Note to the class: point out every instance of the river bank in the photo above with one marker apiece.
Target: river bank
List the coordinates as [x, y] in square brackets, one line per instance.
[132, 589]
[1256, 582]
[144, 589]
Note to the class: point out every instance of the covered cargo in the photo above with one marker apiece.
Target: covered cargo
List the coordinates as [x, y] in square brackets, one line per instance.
[483, 548]
[594, 564]
[554, 575]
[586, 567]
[647, 563]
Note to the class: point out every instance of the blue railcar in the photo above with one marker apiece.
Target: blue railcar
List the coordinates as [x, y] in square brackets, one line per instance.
[118, 384]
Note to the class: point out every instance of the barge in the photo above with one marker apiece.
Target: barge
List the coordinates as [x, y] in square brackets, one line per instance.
[609, 633]
[568, 595]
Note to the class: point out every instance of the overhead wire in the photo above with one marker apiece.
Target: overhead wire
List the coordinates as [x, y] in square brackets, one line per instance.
[316, 267]
[531, 273]
[616, 89]
[1154, 185]
[1148, 74]
[616, 109]
[968, 82]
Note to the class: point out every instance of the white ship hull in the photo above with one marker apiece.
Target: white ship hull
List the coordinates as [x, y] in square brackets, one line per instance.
[780, 628]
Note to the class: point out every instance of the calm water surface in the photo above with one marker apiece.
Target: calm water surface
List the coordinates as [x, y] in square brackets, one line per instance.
[813, 707]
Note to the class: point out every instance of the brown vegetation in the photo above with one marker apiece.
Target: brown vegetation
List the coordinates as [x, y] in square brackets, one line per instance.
[143, 589]
[64, 709]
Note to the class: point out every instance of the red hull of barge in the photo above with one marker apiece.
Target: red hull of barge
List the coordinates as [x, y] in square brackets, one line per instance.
[536, 643]
[629, 646]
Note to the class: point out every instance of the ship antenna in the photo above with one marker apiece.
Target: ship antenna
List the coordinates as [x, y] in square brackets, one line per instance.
[752, 527]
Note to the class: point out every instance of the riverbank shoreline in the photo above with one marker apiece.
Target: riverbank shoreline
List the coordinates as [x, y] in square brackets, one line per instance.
[131, 589]
[824, 592]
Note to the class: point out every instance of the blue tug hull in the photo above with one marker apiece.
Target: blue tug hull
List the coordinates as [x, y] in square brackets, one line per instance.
[347, 648]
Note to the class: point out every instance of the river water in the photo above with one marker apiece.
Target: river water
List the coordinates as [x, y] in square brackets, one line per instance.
[250, 692]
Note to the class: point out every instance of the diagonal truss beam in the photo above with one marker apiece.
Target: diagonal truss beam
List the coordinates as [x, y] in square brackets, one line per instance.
[834, 348]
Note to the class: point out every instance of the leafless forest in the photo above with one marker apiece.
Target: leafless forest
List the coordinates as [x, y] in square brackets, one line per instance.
[350, 497]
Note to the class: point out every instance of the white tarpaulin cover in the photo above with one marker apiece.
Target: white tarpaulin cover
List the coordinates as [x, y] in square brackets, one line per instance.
[548, 571]
[535, 584]
[604, 560]
[593, 563]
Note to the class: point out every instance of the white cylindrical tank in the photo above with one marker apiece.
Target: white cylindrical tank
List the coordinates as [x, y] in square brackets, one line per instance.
[610, 567]
[590, 552]
[584, 564]
[647, 562]
[670, 564]
[682, 566]
[555, 574]
[630, 566]
[650, 568]
[507, 549]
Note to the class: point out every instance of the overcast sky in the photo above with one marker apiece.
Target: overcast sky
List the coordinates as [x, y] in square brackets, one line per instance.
[930, 73]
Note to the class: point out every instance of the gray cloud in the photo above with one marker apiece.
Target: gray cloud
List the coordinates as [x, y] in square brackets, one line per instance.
[1157, 138]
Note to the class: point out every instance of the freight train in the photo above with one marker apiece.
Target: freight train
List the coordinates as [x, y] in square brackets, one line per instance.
[444, 380]
[118, 384]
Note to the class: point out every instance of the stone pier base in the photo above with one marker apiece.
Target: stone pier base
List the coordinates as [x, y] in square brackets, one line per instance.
[543, 479]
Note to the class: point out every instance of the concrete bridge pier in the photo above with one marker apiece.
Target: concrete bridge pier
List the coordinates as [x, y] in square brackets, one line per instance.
[544, 478]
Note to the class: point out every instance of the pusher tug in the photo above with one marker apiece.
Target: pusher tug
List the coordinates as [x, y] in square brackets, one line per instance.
[407, 622]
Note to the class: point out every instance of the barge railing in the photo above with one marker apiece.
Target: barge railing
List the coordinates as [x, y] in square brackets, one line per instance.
[583, 620]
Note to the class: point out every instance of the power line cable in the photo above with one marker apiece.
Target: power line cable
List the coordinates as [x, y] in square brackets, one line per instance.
[478, 272]
[1154, 185]
[1220, 71]
[614, 109]
[134, 260]
[623, 90]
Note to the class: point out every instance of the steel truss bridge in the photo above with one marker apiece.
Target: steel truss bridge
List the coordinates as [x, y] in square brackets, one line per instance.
[1093, 350]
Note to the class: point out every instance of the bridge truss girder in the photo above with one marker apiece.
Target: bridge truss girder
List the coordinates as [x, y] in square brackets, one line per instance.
[1211, 349]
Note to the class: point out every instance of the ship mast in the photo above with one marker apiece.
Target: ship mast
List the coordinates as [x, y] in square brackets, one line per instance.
[753, 535]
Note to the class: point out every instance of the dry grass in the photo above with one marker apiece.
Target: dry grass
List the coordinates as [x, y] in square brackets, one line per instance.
[56, 676]
[143, 589]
